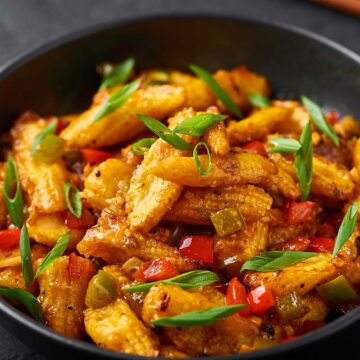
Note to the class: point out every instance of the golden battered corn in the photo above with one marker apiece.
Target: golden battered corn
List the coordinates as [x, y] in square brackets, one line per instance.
[116, 327]
[347, 127]
[258, 125]
[217, 139]
[196, 205]
[356, 156]
[104, 182]
[232, 169]
[122, 124]
[63, 298]
[301, 277]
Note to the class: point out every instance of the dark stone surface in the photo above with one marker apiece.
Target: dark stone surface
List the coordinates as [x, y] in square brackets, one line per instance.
[25, 24]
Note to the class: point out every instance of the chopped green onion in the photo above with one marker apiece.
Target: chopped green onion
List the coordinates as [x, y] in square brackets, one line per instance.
[119, 74]
[159, 77]
[227, 221]
[189, 280]
[50, 129]
[164, 132]
[275, 260]
[26, 258]
[55, 253]
[304, 162]
[197, 161]
[319, 120]
[27, 299]
[116, 99]
[50, 149]
[73, 199]
[142, 146]
[346, 228]
[199, 318]
[284, 145]
[259, 100]
[14, 204]
[198, 124]
[217, 89]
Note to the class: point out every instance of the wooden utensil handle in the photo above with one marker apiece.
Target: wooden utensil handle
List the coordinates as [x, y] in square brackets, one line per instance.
[352, 6]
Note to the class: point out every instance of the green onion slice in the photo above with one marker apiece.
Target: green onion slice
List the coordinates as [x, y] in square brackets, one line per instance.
[197, 160]
[319, 120]
[73, 199]
[275, 260]
[284, 145]
[189, 280]
[26, 258]
[55, 253]
[50, 149]
[259, 100]
[27, 299]
[142, 146]
[14, 203]
[346, 228]
[117, 99]
[50, 129]
[217, 89]
[199, 318]
[119, 74]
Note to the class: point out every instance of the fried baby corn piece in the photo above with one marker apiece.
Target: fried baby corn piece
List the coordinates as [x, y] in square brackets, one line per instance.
[217, 139]
[231, 169]
[196, 205]
[233, 250]
[331, 180]
[63, 298]
[42, 183]
[46, 229]
[122, 124]
[150, 197]
[347, 127]
[104, 182]
[166, 301]
[257, 125]
[301, 277]
[116, 327]
[112, 241]
[356, 156]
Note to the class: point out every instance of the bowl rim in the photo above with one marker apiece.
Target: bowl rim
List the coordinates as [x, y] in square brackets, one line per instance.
[24, 57]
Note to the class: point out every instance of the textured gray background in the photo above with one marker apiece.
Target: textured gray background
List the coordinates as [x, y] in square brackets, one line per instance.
[25, 24]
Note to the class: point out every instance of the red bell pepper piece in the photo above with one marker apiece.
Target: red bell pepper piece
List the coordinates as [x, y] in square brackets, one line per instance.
[326, 230]
[197, 248]
[332, 117]
[256, 147]
[236, 294]
[260, 299]
[74, 267]
[298, 213]
[322, 244]
[297, 244]
[290, 338]
[9, 238]
[86, 221]
[94, 156]
[155, 270]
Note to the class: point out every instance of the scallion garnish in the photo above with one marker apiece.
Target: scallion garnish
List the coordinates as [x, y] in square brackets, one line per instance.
[197, 161]
[275, 260]
[50, 129]
[198, 124]
[26, 258]
[116, 99]
[54, 253]
[14, 203]
[27, 299]
[303, 157]
[346, 228]
[199, 318]
[189, 280]
[258, 100]
[164, 132]
[142, 146]
[319, 120]
[73, 199]
[50, 149]
[119, 74]
[217, 89]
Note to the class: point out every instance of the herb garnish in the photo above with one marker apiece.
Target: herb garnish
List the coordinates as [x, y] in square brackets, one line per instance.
[188, 280]
[50, 129]
[258, 100]
[73, 199]
[217, 89]
[119, 74]
[197, 161]
[142, 146]
[26, 258]
[284, 145]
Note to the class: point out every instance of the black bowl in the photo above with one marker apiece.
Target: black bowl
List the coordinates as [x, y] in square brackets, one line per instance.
[60, 78]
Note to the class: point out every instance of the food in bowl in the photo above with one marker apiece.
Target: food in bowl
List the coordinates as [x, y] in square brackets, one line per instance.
[182, 214]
